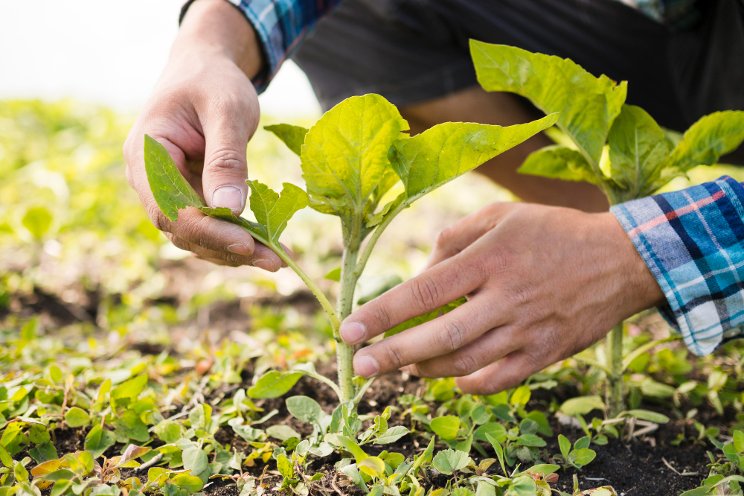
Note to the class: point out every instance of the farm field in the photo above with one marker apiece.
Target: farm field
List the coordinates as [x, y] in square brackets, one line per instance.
[129, 367]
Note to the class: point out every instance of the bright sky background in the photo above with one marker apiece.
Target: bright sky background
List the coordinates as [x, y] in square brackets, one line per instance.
[107, 51]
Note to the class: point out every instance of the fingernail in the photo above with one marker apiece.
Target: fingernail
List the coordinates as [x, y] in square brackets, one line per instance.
[228, 197]
[366, 366]
[240, 249]
[264, 264]
[353, 332]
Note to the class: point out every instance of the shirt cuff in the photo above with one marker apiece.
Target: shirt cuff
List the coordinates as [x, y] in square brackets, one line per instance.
[693, 243]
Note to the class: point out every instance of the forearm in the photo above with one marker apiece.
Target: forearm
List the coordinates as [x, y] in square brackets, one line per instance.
[217, 28]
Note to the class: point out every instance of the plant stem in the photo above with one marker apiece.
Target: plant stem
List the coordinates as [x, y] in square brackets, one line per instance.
[615, 378]
[349, 277]
[370, 245]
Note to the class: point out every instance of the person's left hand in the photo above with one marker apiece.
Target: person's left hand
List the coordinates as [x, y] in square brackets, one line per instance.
[542, 284]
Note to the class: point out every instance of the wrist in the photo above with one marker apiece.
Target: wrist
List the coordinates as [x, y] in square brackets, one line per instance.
[640, 289]
[216, 29]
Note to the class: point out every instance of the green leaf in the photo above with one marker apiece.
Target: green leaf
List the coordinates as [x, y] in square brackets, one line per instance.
[446, 151]
[195, 460]
[581, 405]
[706, 140]
[169, 188]
[130, 389]
[520, 396]
[587, 104]
[188, 482]
[99, 440]
[168, 431]
[304, 409]
[565, 446]
[292, 136]
[657, 418]
[531, 440]
[372, 466]
[76, 417]
[282, 432]
[638, 148]
[391, 435]
[582, 457]
[449, 461]
[129, 424]
[274, 384]
[560, 162]
[739, 441]
[284, 465]
[446, 426]
[273, 210]
[345, 155]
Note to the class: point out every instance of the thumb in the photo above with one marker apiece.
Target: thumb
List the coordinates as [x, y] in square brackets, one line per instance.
[225, 169]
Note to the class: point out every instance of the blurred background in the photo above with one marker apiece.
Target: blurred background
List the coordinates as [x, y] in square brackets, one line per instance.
[77, 253]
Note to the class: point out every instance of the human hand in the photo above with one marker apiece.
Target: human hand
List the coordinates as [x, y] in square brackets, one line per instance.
[542, 284]
[203, 111]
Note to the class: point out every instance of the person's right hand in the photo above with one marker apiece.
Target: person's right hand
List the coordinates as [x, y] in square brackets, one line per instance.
[203, 110]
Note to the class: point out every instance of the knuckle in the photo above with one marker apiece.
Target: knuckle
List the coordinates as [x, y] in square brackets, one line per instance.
[520, 296]
[394, 356]
[382, 316]
[463, 364]
[499, 261]
[425, 292]
[452, 336]
[226, 160]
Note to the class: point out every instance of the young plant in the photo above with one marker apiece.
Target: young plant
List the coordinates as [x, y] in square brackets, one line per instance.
[618, 147]
[360, 165]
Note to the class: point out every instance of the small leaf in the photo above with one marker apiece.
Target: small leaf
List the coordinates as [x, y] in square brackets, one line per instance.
[333, 275]
[274, 384]
[130, 389]
[372, 466]
[520, 396]
[391, 435]
[657, 418]
[304, 409]
[582, 457]
[169, 188]
[76, 417]
[188, 482]
[565, 446]
[99, 440]
[282, 432]
[638, 148]
[560, 162]
[273, 210]
[292, 136]
[446, 151]
[446, 427]
[449, 461]
[581, 405]
[38, 221]
[587, 104]
[707, 140]
[531, 440]
[345, 155]
[195, 460]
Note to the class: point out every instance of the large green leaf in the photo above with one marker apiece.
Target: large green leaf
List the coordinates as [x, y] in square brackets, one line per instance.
[292, 136]
[273, 210]
[705, 141]
[446, 151]
[560, 162]
[274, 384]
[169, 188]
[587, 104]
[345, 154]
[638, 147]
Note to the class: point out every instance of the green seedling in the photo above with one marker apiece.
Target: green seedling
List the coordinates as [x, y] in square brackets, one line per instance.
[360, 165]
[618, 147]
[578, 455]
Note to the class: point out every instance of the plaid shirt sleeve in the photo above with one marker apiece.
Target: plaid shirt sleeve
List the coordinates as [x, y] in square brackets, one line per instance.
[693, 243]
[280, 26]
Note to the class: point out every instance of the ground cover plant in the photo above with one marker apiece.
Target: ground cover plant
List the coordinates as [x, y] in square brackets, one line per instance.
[133, 369]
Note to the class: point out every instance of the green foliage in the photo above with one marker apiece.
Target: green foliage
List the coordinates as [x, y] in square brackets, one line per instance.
[292, 136]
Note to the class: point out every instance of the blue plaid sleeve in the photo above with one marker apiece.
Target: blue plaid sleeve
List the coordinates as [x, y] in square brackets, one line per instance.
[693, 243]
[280, 26]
